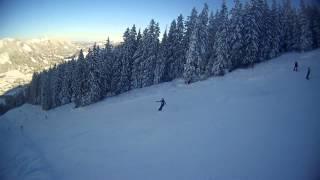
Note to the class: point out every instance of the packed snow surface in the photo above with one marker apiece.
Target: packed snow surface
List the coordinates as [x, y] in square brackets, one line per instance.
[259, 123]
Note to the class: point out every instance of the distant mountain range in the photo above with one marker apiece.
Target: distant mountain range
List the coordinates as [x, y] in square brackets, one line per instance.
[20, 58]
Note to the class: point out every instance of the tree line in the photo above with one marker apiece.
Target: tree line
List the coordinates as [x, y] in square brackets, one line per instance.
[203, 45]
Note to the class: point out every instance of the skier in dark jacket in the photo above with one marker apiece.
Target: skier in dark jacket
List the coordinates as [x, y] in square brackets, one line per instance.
[308, 73]
[163, 102]
[295, 66]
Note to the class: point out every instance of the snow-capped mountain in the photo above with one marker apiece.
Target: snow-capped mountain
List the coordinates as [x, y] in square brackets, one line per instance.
[20, 58]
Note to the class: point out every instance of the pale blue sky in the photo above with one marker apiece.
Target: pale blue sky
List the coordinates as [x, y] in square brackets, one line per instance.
[90, 19]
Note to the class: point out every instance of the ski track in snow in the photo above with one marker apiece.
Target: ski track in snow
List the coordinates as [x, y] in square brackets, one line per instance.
[259, 123]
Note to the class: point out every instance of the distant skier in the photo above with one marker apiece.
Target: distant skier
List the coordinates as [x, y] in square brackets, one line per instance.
[163, 102]
[295, 66]
[308, 73]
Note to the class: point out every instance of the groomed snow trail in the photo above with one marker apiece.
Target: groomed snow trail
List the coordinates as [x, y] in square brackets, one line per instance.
[252, 124]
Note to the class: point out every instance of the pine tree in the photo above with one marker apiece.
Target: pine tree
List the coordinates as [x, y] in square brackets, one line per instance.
[94, 93]
[73, 64]
[136, 78]
[45, 91]
[150, 53]
[236, 36]
[66, 90]
[197, 53]
[129, 47]
[251, 41]
[34, 89]
[202, 31]
[313, 14]
[265, 32]
[116, 72]
[161, 69]
[124, 83]
[85, 82]
[179, 49]
[305, 42]
[222, 43]
[57, 78]
[296, 41]
[171, 58]
[80, 80]
[190, 75]
[190, 26]
[108, 59]
[275, 30]
[212, 31]
[287, 26]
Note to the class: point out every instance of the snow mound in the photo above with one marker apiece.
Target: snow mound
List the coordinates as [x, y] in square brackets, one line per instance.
[257, 123]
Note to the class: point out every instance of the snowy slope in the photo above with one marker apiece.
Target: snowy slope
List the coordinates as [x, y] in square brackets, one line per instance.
[254, 124]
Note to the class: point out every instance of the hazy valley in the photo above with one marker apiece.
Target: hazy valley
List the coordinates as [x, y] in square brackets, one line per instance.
[20, 58]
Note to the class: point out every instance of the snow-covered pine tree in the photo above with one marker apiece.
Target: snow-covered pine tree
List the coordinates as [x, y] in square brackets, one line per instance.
[57, 78]
[85, 84]
[124, 83]
[251, 33]
[196, 57]
[94, 93]
[73, 88]
[80, 81]
[313, 13]
[287, 25]
[34, 89]
[212, 30]
[202, 28]
[46, 90]
[128, 47]
[265, 31]
[236, 35]
[305, 38]
[136, 77]
[150, 51]
[190, 75]
[275, 30]
[179, 52]
[66, 90]
[222, 42]
[116, 72]
[107, 59]
[296, 31]
[175, 53]
[161, 64]
[189, 26]
[172, 44]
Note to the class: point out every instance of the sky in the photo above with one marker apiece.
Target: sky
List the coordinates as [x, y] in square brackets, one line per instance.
[90, 20]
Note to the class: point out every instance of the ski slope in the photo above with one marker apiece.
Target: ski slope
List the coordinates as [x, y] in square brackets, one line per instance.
[252, 124]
